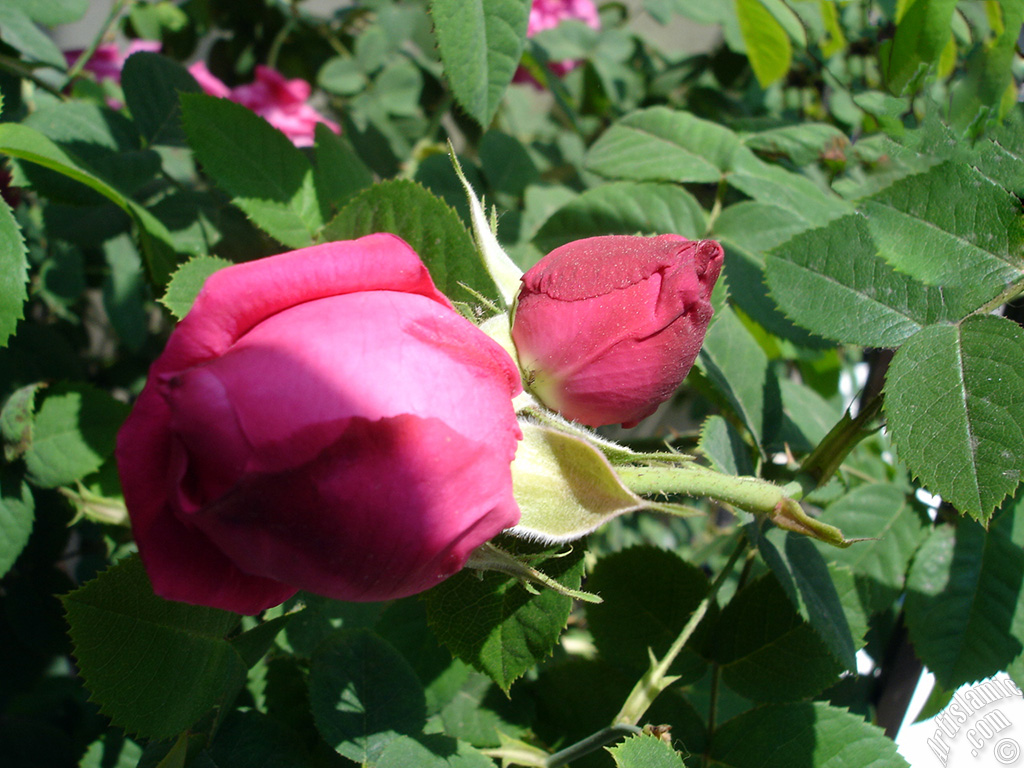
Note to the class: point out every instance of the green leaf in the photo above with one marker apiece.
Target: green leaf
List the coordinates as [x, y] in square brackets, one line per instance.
[724, 447]
[965, 607]
[480, 42]
[624, 208]
[660, 144]
[973, 229]
[187, 281]
[252, 739]
[921, 34]
[768, 46]
[19, 32]
[266, 175]
[27, 144]
[425, 222]
[645, 751]
[339, 173]
[882, 514]
[495, 624]
[16, 421]
[154, 666]
[152, 84]
[804, 144]
[434, 750]
[363, 694]
[506, 164]
[738, 368]
[649, 595]
[774, 185]
[954, 401]
[802, 734]
[52, 13]
[766, 651]
[72, 434]
[830, 281]
[13, 274]
[17, 513]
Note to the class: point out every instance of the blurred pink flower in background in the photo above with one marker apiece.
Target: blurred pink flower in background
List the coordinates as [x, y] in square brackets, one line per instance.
[548, 14]
[278, 100]
[108, 60]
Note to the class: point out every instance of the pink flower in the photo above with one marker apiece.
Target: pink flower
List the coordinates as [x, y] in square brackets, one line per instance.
[108, 60]
[281, 102]
[608, 327]
[321, 420]
[548, 14]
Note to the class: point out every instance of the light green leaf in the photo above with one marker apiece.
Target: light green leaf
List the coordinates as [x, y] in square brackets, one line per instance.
[954, 400]
[480, 42]
[768, 46]
[13, 273]
[804, 734]
[426, 223]
[660, 144]
[724, 447]
[170, 663]
[645, 751]
[921, 34]
[363, 695]
[19, 32]
[17, 513]
[804, 144]
[624, 208]
[52, 13]
[266, 175]
[73, 433]
[965, 607]
[973, 228]
[187, 281]
[152, 84]
[831, 281]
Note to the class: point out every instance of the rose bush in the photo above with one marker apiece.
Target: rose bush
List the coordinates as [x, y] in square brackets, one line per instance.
[321, 420]
[606, 328]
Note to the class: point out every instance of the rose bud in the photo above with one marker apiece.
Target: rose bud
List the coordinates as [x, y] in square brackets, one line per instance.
[606, 328]
[321, 420]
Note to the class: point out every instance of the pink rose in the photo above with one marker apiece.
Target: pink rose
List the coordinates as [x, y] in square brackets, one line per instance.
[608, 327]
[281, 102]
[108, 60]
[321, 420]
[548, 14]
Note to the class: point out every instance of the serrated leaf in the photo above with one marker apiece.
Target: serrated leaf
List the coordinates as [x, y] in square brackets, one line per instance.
[724, 447]
[806, 733]
[480, 42]
[738, 368]
[660, 144]
[188, 280]
[882, 514]
[768, 46]
[17, 513]
[954, 401]
[363, 695]
[971, 228]
[624, 208]
[649, 594]
[72, 434]
[154, 666]
[266, 175]
[13, 274]
[965, 607]
[152, 84]
[425, 222]
[645, 751]
[495, 624]
[158, 245]
[831, 281]
[921, 34]
[766, 651]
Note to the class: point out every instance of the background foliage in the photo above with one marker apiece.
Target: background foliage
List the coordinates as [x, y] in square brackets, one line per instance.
[860, 161]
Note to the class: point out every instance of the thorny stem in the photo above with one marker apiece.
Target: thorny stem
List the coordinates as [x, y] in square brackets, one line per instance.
[656, 679]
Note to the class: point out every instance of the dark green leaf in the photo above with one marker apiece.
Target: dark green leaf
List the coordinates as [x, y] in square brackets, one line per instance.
[506, 164]
[480, 42]
[254, 740]
[17, 512]
[13, 274]
[955, 408]
[339, 173]
[802, 734]
[188, 280]
[724, 447]
[645, 751]
[363, 695]
[16, 421]
[72, 434]
[154, 666]
[152, 84]
[494, 624]
[965, 598]
[266, 175]
[624, 208]
[425, 222]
